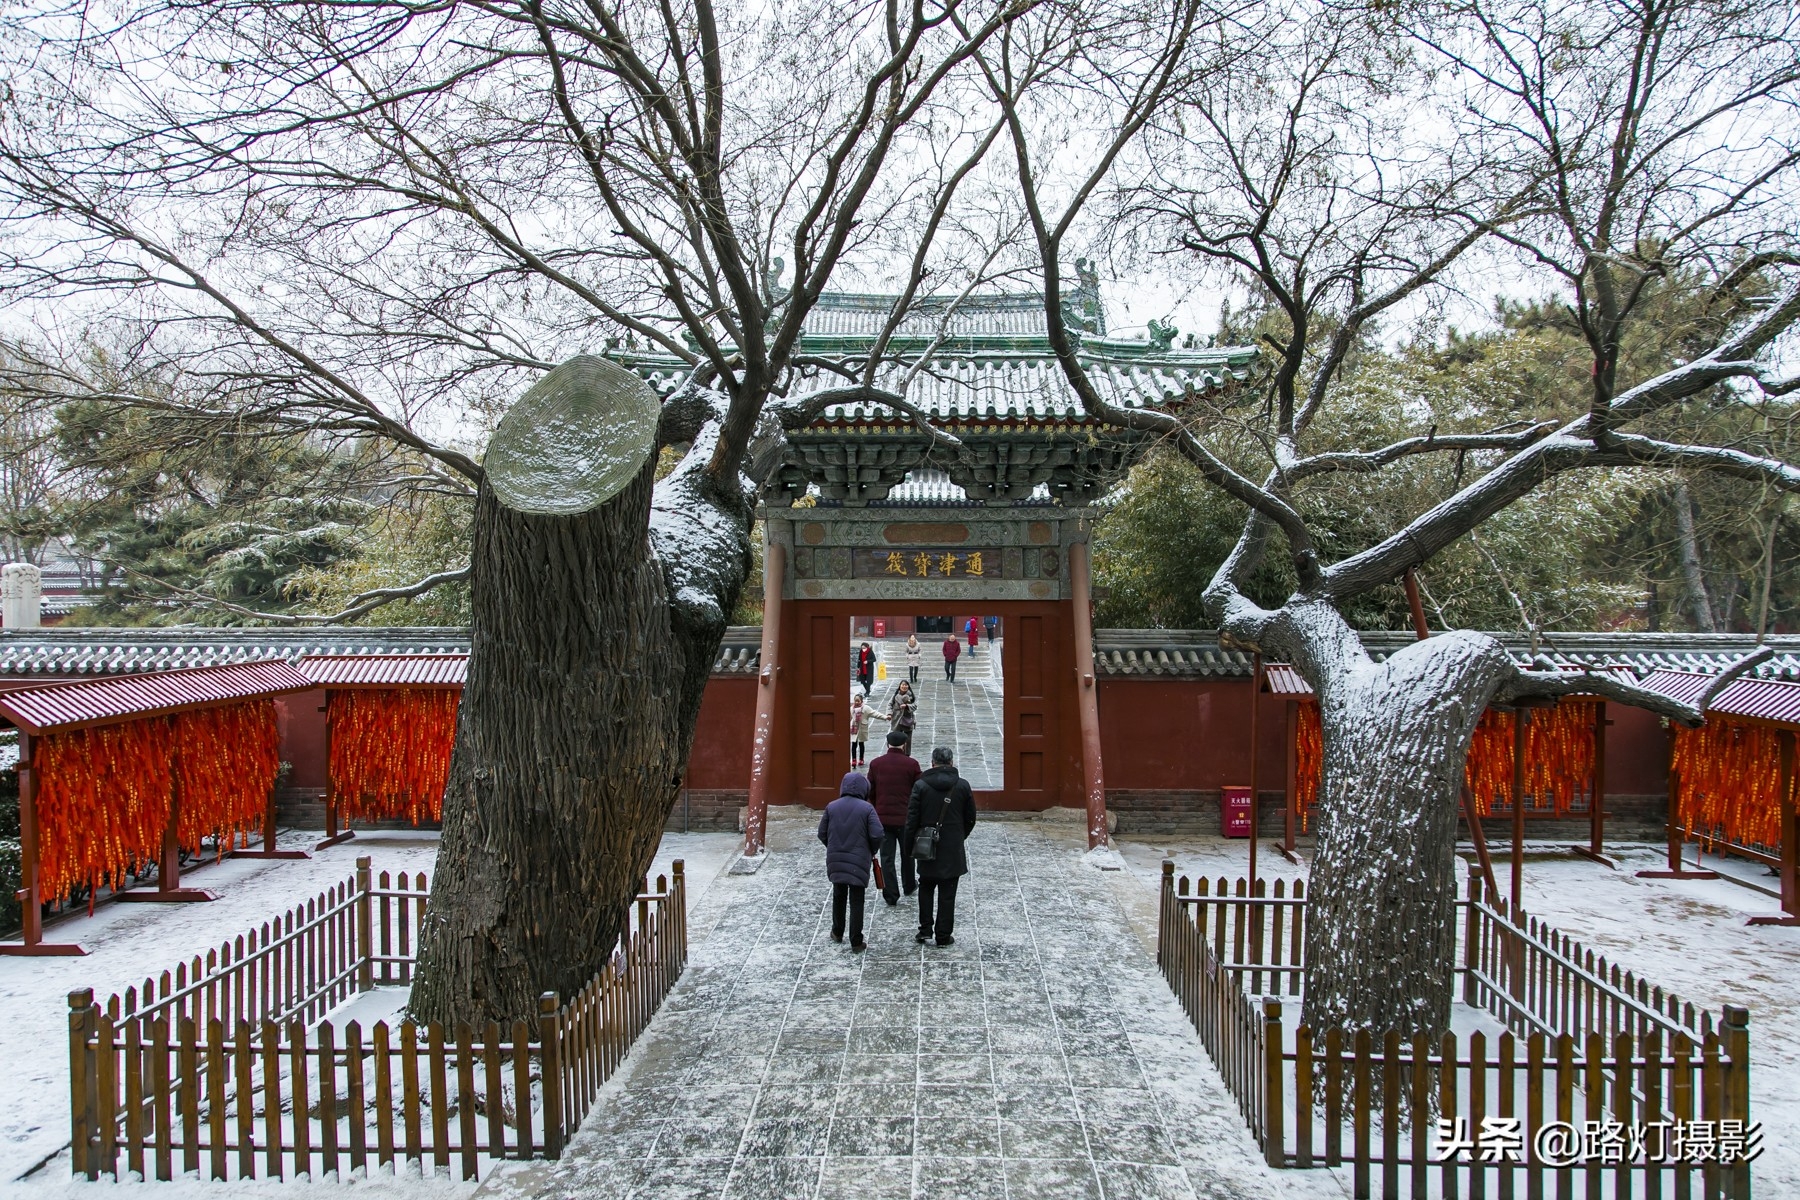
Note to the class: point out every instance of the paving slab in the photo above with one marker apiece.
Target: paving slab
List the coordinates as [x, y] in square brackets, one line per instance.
[1041, 1056]
[965, 715]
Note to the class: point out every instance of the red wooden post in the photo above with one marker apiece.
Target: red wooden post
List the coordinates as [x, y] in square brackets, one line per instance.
[1790, 841]
[1596, 847]
[1521, 721]
[756, 814]
[168, 888]
[1420, 628]
[333, 835]
[30, 897]
[268, 836]
[1093, 780]
[1479, 837]
[1256, 670]
[1676, 869]
[1286, 845]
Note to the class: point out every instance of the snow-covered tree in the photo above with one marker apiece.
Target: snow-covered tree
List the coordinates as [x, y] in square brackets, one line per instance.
[1594, 147]
[383, 221]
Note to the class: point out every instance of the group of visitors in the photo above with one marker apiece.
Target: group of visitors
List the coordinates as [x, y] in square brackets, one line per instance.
[902, 717]
[866, 658]
[917, 821]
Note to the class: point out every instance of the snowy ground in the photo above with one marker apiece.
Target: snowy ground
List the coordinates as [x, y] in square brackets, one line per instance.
[1686, 936]
[128, 942]
[1035, 889]
[1041, 1057]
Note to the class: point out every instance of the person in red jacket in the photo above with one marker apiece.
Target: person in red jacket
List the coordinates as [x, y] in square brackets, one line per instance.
[891, 776]
[865, 666]
[974, 633]
[952, 651]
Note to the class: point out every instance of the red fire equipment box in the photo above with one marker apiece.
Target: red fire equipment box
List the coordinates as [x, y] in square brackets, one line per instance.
[880, 627]
[1234, 811]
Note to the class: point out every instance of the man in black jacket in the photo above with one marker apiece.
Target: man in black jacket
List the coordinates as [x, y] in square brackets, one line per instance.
[942, 799]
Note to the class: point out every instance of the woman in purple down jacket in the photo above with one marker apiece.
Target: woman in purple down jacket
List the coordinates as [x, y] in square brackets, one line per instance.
[852, 833]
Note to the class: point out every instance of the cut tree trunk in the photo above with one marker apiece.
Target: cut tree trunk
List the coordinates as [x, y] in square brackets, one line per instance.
[570, 741]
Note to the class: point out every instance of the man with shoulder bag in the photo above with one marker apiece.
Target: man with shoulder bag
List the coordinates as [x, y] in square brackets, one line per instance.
[939, 815]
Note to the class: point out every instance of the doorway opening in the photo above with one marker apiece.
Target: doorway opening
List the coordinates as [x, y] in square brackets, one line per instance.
[957, 702]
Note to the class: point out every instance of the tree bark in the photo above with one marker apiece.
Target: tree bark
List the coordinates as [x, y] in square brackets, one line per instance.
[575, 721]
[1693, 575]
[1380, 949]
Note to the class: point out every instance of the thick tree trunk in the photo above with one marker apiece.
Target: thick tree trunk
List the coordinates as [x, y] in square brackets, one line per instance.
[1381, 931]
[577, 715]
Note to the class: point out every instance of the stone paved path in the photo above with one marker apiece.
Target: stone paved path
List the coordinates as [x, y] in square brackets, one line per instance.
[965, 715]
[1039, 1057]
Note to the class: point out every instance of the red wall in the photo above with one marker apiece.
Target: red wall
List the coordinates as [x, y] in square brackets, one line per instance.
[300, 718]
[721, 755]
[1195, 735]
[1637, 753]
[1155, 734]
[1189, 734]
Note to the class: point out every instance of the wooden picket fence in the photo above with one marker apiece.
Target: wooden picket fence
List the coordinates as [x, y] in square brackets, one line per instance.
[230, 1066]
[1584, 1046]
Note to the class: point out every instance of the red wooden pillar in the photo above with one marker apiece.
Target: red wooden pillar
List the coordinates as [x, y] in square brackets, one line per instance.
[1521, 722]
[1286, 845]
[1789, 869]
[1256, 671]
[1676, 869]
[268, 834]
[333, 834]
[30, 896]
[756, 816]
[168, 889]
[1596, 847]
[1093, 780]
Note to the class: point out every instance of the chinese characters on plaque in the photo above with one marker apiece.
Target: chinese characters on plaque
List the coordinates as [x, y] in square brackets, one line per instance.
[921, 563]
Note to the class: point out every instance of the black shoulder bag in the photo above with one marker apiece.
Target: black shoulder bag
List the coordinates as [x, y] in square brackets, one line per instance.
[925, 842]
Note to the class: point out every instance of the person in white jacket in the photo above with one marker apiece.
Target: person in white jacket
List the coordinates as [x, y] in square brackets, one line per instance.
[860, 716]
[914, 656]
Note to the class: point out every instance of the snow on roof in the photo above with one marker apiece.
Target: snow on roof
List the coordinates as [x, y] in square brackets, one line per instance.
[106, 701]
[1118, 653]
[1198, 653]
[926, 487]
[1011, 314]
[1775, 700]
[61, 652]
[386, 670]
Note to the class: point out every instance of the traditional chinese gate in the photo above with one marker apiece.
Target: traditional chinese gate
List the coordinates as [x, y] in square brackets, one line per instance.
[1027, 565]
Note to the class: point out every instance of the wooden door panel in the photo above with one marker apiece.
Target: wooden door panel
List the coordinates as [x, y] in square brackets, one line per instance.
[1031, 707]
[824, 707]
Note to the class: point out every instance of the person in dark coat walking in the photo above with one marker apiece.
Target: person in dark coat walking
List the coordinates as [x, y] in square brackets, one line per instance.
[865, 667]
[990, 622]
[892, 776]
[851, 832]
[941, 798]
[952, 651]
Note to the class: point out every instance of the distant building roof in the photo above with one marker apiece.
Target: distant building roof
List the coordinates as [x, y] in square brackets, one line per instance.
[1198, 653]
[63, 652]
[981, 367]
[1118, 653]
[927, 488]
